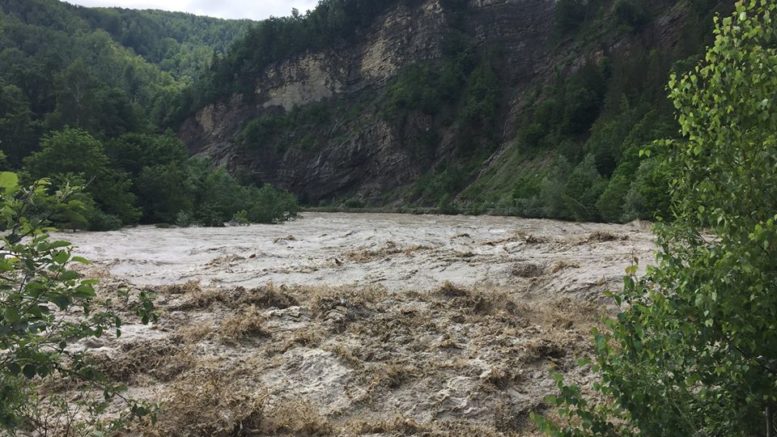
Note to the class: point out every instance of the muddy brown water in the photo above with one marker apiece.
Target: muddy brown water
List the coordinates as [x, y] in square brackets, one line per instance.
[399, 252]
[358, 324]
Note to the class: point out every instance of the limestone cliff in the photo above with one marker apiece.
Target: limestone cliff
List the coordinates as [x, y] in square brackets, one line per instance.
[326, 130]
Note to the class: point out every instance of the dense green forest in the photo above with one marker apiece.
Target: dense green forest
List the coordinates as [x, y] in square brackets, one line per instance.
[84, 98]
[576, 153]
[123, 77]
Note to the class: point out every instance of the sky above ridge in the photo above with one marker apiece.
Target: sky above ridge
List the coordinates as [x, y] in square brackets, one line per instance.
[253, 9]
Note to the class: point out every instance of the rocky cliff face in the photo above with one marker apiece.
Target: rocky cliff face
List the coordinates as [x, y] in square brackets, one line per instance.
[351, 148]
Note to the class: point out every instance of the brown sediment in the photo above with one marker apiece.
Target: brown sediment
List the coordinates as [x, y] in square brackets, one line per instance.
[466, 353]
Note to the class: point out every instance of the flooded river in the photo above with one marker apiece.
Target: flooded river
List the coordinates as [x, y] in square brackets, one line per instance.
[399, 252]
[357, 324]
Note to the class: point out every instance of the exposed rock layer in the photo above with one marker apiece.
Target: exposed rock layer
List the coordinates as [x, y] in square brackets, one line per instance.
[357, 152]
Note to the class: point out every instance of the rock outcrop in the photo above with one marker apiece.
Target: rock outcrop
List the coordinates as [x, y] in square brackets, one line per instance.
[356, 151]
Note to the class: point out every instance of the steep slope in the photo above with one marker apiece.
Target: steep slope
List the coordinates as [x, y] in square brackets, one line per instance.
[490, 104]
[83, 95]
[179, 43]
[108, 71]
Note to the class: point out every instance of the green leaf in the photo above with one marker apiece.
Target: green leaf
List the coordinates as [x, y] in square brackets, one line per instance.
[11, 315]
[63, 302]
[9, 181]
[59, 244]
[84, 291]
[61, 257]
[69, 275]
[80, 260]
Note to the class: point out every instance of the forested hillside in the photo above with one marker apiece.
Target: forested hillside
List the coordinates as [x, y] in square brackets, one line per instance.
[182, 44]
[84, 98]
[529, 108]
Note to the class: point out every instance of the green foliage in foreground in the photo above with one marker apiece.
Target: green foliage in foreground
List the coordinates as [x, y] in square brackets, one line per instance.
[38, 286]
[694, 349]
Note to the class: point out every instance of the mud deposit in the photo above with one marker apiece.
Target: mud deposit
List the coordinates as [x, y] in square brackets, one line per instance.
[342, 324]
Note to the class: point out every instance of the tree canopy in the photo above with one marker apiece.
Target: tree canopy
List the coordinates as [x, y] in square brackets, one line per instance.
[84, 95]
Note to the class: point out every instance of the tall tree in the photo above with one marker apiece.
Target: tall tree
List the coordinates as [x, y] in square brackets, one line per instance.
[73, 152]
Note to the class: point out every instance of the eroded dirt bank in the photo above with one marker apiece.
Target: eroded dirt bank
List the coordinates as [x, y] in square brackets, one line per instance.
[359, 324]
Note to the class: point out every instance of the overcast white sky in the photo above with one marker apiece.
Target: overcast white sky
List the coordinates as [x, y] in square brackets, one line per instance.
[254, 9]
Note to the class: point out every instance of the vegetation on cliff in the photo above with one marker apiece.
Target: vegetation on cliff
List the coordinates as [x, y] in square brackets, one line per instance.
[567, 149]
[279, 38]
[564, 147]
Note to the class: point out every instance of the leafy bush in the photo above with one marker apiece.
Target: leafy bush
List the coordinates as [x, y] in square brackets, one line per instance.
[526, 187]
[37, 286]
[446, 205]
[269, 205]
[241, 217]
[183, 219]
[552, 190]
[583, 188]
[693, 350]
[100, 221]
[220, 196]
[610, 203]
[164, 191]
[354, 204]
[648, 197]
[435, 186]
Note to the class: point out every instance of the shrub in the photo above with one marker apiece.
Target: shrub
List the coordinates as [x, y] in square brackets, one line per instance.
[217, 197]
[164, 191]
[648, 196]
[271, 206]
[75, 152]
[552, 190]
[354, 204]
[183, 219]
[241, 217]
[694, 346]
[446, 205]
[37, 287]
[100, 221]
[610, 203]
[582, 189]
